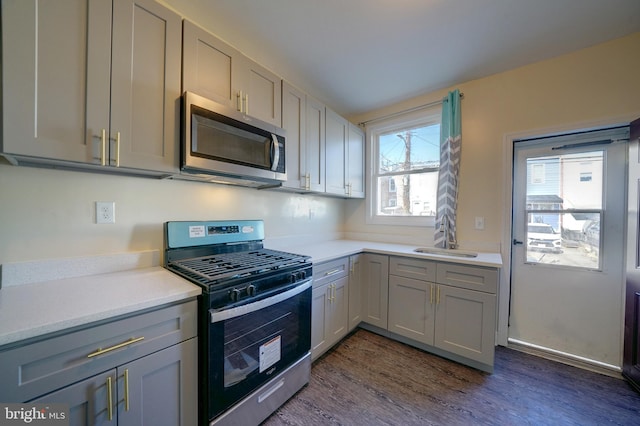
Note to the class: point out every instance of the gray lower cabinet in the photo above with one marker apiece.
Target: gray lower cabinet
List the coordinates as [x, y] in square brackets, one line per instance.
[329, 306]
[355, 291]
[138, 370]
[448, 306]
[159, 389]
[375, 291]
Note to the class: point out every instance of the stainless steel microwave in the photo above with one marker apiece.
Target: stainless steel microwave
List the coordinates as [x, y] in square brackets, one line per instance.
[222, 145]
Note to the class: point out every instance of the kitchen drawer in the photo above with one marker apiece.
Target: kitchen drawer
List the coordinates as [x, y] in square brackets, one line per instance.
[330, 271]
[470, 277]
[417, 269]
[34, 369]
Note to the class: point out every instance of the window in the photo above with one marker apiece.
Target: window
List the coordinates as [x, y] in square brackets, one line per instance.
[405, 159]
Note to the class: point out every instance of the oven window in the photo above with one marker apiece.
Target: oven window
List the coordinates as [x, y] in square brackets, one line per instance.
[248, 350]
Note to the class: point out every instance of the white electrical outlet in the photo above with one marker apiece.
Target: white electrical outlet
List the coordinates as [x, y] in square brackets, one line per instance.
[105, 212]
[479, 222]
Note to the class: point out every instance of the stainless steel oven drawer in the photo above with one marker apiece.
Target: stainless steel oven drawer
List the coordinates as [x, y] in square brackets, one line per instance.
[260, 404]
[44, 365]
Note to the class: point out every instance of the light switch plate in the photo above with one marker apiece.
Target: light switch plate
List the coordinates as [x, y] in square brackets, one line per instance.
[479, 222]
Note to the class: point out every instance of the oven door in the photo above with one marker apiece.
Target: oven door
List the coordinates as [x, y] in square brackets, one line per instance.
[252, 343]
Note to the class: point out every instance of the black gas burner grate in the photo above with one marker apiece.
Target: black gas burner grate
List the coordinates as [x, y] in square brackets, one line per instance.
[206, 269]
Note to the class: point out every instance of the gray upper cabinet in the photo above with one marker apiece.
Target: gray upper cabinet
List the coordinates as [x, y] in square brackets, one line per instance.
[219, 72]
[344, 157]
[294, 110]
[314, 148]
[354, 163]
[91, 83]
[336, 142]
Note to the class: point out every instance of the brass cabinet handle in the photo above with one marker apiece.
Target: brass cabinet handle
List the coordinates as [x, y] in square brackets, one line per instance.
[333, 272]
[103, 140]
[109, 399]
[126, 389]
[438, 296]
[239, 100]
[101, 351]
[118, 149]
[246, 103]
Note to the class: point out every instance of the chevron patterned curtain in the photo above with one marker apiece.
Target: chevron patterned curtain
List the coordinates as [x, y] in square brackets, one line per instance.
[450, 144]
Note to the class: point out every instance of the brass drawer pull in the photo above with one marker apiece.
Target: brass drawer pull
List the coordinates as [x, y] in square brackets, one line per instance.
[333, 272]
[113, 348]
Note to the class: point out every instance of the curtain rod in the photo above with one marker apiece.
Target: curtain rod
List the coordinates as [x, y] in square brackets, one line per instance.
[405, 111]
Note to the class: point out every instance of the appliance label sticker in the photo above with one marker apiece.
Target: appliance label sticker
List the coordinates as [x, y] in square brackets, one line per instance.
[196, 231]
[247, 229]
[269, 353]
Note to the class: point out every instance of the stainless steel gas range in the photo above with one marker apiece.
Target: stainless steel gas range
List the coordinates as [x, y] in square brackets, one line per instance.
[255, 317]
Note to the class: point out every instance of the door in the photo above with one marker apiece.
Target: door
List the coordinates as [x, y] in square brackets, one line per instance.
[631, 359]
[314, 146]
[568, 233]
[55, 71]
[91, 402]
[145, 86]
[336, 134]
[375, 291]
[161, 388]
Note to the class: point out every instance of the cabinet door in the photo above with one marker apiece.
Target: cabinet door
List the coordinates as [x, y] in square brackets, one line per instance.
[336, 133]
[411, 311]
[355, 291]
[375, 275]
[314, 147]
[161, 388]
[208, 65]
[466, 323]
[319, 321]
[89, 400]
[55, 78]
[294, 110]
[355, 162]
[262, 92]
[339, 310]
[145, 91]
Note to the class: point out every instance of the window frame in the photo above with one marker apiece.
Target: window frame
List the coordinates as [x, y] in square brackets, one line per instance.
[418, 118]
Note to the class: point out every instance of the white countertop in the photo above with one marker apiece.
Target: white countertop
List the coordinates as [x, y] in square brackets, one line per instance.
[34, 309]
[85, 290]
[325, 251]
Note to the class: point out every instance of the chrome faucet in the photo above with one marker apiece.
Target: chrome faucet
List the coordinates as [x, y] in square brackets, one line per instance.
[448, 242]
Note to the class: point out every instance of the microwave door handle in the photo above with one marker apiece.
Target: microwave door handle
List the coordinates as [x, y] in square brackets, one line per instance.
[275, 152]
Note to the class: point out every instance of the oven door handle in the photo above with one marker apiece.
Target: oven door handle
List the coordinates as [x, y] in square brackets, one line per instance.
[217, 316]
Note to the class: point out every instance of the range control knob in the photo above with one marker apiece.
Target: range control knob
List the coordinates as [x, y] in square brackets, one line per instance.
[251, 290]
[297, 276]
[234, 295]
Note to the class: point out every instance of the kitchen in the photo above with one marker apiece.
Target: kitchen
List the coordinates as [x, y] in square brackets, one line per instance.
[49, 214]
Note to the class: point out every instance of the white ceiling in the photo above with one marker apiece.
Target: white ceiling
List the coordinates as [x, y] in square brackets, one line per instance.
[360, 55]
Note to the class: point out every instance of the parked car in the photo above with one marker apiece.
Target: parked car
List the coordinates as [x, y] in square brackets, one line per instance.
[542, 236]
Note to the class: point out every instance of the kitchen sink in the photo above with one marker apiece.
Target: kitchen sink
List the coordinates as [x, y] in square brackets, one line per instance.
[446, 252]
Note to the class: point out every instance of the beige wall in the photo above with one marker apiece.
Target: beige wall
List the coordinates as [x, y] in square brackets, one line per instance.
[47, 214]
[594, 86]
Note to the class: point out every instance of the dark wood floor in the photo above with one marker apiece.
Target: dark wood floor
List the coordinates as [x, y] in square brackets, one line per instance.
[370, 380]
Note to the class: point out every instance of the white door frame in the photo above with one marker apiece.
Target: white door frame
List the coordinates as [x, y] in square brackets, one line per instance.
[504, 292]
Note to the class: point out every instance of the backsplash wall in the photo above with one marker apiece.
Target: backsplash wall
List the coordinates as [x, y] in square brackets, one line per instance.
[46, 214]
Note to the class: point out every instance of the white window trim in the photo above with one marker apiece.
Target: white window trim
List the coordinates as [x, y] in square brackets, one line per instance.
[414, 119]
